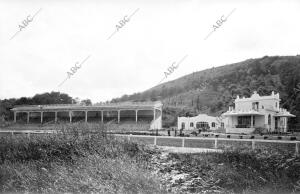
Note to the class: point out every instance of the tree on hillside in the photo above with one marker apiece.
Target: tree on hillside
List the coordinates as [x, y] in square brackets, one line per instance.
[5, 106]
[23, 100]
[38, 99]
[52, 98]
[86, 102]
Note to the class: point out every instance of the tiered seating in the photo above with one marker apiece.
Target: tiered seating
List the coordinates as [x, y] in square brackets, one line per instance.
[112, 126]
[129, 126]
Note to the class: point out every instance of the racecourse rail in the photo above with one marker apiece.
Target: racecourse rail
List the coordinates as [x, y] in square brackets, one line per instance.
[216, 140]
[181, 139]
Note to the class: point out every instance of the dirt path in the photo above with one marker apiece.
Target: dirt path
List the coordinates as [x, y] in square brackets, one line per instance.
[186, 150]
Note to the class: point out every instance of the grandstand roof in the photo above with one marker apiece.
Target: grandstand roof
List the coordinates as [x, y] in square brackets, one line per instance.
[99, 106]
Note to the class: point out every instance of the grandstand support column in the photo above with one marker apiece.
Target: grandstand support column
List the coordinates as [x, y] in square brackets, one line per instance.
[15, 116]
[102, 116]
[86, 116]
[55, 118]
[70, 115]
[251, 121]
[28, 115]
[119, 116]
[136, 115]
[42, 117]
[154, 114]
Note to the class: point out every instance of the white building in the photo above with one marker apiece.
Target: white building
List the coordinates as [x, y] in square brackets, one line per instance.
[202, 121]
[257, 112]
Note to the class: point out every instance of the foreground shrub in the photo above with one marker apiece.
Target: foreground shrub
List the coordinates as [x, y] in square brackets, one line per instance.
[78, 159]
[92, 174]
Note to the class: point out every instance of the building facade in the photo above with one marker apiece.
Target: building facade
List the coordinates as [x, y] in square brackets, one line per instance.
[257, 112]
[119, 112]
[202, 121]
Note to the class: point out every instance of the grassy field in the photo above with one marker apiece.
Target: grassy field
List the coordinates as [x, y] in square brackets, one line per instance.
[222, 144]
[75, 161]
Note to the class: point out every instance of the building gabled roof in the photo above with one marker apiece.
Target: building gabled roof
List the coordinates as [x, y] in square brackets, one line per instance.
[199, 116]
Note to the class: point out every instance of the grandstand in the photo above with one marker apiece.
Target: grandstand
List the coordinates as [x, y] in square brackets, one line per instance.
[121, 116]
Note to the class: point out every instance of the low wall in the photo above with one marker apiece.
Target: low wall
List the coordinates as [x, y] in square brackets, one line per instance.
[240, 130]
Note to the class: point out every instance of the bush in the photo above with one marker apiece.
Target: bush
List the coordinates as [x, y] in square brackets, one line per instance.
[194, 133]
[260, 130]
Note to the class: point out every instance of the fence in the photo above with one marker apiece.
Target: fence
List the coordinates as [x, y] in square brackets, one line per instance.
[177, 141]
[28, 132]
[181, 141]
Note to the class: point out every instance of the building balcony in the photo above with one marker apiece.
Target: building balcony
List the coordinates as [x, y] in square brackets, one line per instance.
[242, 112]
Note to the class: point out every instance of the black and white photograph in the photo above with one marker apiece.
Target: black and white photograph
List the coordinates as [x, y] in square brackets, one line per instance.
[150, 96]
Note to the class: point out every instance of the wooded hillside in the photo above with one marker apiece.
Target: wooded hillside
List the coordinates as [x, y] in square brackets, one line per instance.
[212, 90]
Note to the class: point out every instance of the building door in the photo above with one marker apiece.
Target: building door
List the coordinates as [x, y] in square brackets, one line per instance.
[182, 125]
[276, 123]
[269, 122]
[281, 124]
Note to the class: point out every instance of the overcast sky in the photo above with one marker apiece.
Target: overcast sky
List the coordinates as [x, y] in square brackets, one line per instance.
[63, 32]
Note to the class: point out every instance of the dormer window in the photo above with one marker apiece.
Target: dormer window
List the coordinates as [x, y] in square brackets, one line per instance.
[255, 105]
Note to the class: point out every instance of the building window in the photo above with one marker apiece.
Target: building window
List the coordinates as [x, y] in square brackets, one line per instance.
[202, 125]
[182, 125]
[255, 105]
[222, 125]
[262, 107]
[244, 122]
[191, 124]
[213, 124]
[275, 104]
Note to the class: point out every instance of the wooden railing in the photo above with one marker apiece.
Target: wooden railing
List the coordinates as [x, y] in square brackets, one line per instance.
[183, 139]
